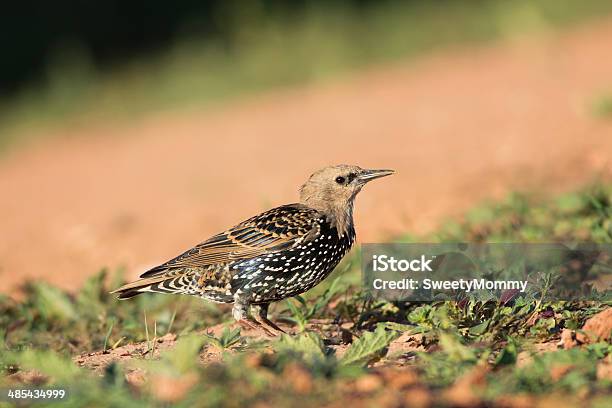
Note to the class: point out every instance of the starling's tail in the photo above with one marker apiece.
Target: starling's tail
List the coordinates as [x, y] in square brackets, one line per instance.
[129, 294]
[155, 284]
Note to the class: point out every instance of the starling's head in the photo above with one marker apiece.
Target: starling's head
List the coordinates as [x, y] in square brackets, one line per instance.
[333, 189]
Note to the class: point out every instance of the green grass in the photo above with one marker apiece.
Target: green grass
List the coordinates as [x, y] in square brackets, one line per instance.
[572, 217]
[268, 52]
[94, 319]
[45, 329]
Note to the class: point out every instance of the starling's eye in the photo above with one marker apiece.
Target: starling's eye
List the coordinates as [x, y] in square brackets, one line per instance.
[340, 180]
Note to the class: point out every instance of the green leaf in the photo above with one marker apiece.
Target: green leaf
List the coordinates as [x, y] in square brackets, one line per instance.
[298, 316]
[420, 314]
[508, 354]
[479, 328]
[456, 350]
[227, 339]
[309, 345]
[369, 346]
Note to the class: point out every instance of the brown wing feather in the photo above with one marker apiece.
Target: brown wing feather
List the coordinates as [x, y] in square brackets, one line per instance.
[271, 231]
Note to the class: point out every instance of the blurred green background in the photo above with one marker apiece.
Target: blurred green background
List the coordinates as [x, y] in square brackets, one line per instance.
[74, 59]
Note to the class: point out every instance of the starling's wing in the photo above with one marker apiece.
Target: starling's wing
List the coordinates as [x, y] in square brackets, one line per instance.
[269, 232]
[272, 231]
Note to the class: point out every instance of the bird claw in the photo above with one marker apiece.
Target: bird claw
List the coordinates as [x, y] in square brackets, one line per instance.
[257, 326]
[273, 330]
[270, 325]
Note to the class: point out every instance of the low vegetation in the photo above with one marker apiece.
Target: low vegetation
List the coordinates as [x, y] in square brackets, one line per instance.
[155, 350]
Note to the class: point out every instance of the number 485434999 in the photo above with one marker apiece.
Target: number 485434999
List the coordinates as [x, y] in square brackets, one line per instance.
[12, 394]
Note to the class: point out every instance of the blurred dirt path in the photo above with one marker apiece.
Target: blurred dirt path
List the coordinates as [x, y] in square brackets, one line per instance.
[458, 126]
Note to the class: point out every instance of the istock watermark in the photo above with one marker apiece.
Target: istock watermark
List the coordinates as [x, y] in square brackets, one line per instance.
[430, 272]
[383, 263]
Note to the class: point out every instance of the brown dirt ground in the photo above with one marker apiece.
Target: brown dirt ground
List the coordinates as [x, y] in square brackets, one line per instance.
[397, 353]
[392, 373]
[459, 126]
[390, 382]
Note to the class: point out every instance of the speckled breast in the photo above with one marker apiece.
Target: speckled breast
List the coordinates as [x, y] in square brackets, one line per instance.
[288, 273]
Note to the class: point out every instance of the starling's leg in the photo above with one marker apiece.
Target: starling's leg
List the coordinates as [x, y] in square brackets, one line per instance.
[241, 314]
[264, 321]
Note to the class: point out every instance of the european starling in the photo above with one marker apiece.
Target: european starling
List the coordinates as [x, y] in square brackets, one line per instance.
[272, 256]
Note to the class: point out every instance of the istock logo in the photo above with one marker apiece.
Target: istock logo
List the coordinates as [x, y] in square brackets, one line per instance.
[384, 263]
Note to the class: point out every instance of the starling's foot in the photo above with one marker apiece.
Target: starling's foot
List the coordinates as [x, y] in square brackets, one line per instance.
[270, 325]
[245, 320]
[270, 332]
[267, 323]
[249, 324]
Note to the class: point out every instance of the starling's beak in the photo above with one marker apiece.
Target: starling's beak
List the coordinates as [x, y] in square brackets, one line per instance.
[369, 175]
